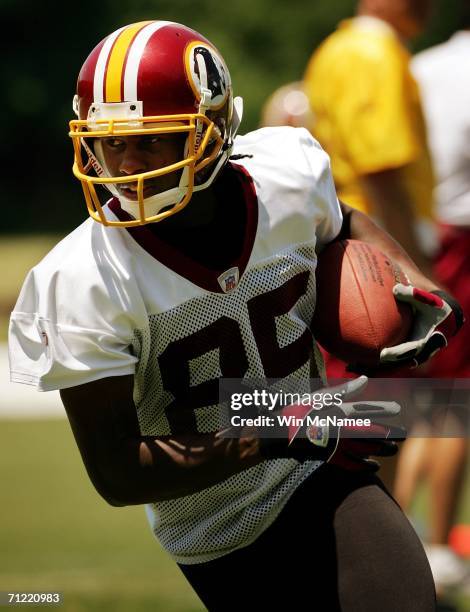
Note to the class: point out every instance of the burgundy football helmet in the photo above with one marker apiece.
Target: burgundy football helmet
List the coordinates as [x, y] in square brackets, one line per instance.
[153, 77]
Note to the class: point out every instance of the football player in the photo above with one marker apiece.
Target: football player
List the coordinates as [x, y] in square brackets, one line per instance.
[201, 266]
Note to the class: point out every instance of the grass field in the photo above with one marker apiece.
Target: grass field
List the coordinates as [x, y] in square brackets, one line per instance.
[57, 534]
[18, 254]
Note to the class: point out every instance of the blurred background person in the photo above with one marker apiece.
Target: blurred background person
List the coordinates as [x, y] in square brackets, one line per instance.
[288, 105]
[443, 76]
[368, 117]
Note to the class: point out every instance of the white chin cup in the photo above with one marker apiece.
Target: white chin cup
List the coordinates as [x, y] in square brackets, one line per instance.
[156, 203]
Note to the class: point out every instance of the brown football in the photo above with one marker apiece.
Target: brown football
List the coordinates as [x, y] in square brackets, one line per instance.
[356, 314]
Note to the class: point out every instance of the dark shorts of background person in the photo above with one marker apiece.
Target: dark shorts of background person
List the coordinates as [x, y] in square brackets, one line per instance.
[452, 269]
[340, 544]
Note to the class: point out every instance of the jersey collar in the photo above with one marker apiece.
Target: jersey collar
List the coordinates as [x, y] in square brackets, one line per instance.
[186, 267]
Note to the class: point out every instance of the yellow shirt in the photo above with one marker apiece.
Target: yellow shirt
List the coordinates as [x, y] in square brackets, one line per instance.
[367, 111]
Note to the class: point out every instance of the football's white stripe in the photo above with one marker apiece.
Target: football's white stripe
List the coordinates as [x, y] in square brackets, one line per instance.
[98, 83]
[135, 54]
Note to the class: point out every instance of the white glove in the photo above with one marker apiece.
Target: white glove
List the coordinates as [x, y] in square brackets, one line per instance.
[437, 317]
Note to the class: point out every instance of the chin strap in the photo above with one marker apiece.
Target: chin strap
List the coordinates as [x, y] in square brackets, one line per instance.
[97, 167]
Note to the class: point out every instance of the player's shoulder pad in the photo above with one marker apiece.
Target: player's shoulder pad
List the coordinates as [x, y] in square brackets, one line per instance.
[266, 136]
[290, 150]
[80, 254]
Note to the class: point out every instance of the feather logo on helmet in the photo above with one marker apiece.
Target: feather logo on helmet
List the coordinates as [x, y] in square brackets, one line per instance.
[206, 69]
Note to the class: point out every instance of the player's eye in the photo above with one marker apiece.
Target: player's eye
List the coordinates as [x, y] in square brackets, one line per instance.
[113, 143]
[151, 140]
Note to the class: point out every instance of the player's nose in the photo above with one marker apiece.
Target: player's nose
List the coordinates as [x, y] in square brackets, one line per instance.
[133, 161]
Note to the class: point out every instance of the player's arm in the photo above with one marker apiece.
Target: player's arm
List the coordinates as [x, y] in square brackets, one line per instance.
[392, 204]
[127, 468]
[358, 226]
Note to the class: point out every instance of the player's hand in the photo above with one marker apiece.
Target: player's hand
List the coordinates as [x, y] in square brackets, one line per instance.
[437, 317]
[347, 446]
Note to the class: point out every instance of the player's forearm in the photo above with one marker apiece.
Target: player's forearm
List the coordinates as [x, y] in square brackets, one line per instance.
[149, 469]
[359, 226]
[394, 209]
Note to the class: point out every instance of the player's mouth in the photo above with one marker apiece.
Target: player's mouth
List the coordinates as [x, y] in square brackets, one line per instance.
[129, 190]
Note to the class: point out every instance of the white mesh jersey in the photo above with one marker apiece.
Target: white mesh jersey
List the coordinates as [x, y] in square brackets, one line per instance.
[110, 301]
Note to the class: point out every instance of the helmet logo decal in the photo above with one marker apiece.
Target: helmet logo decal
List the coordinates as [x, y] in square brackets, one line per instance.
[206, 69]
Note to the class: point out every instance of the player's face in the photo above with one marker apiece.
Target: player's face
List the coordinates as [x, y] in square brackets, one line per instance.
[409, 17]
[128, 155]
[412, 16]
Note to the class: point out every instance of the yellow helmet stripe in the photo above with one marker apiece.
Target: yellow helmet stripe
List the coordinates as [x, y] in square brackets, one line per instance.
[116, 62]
